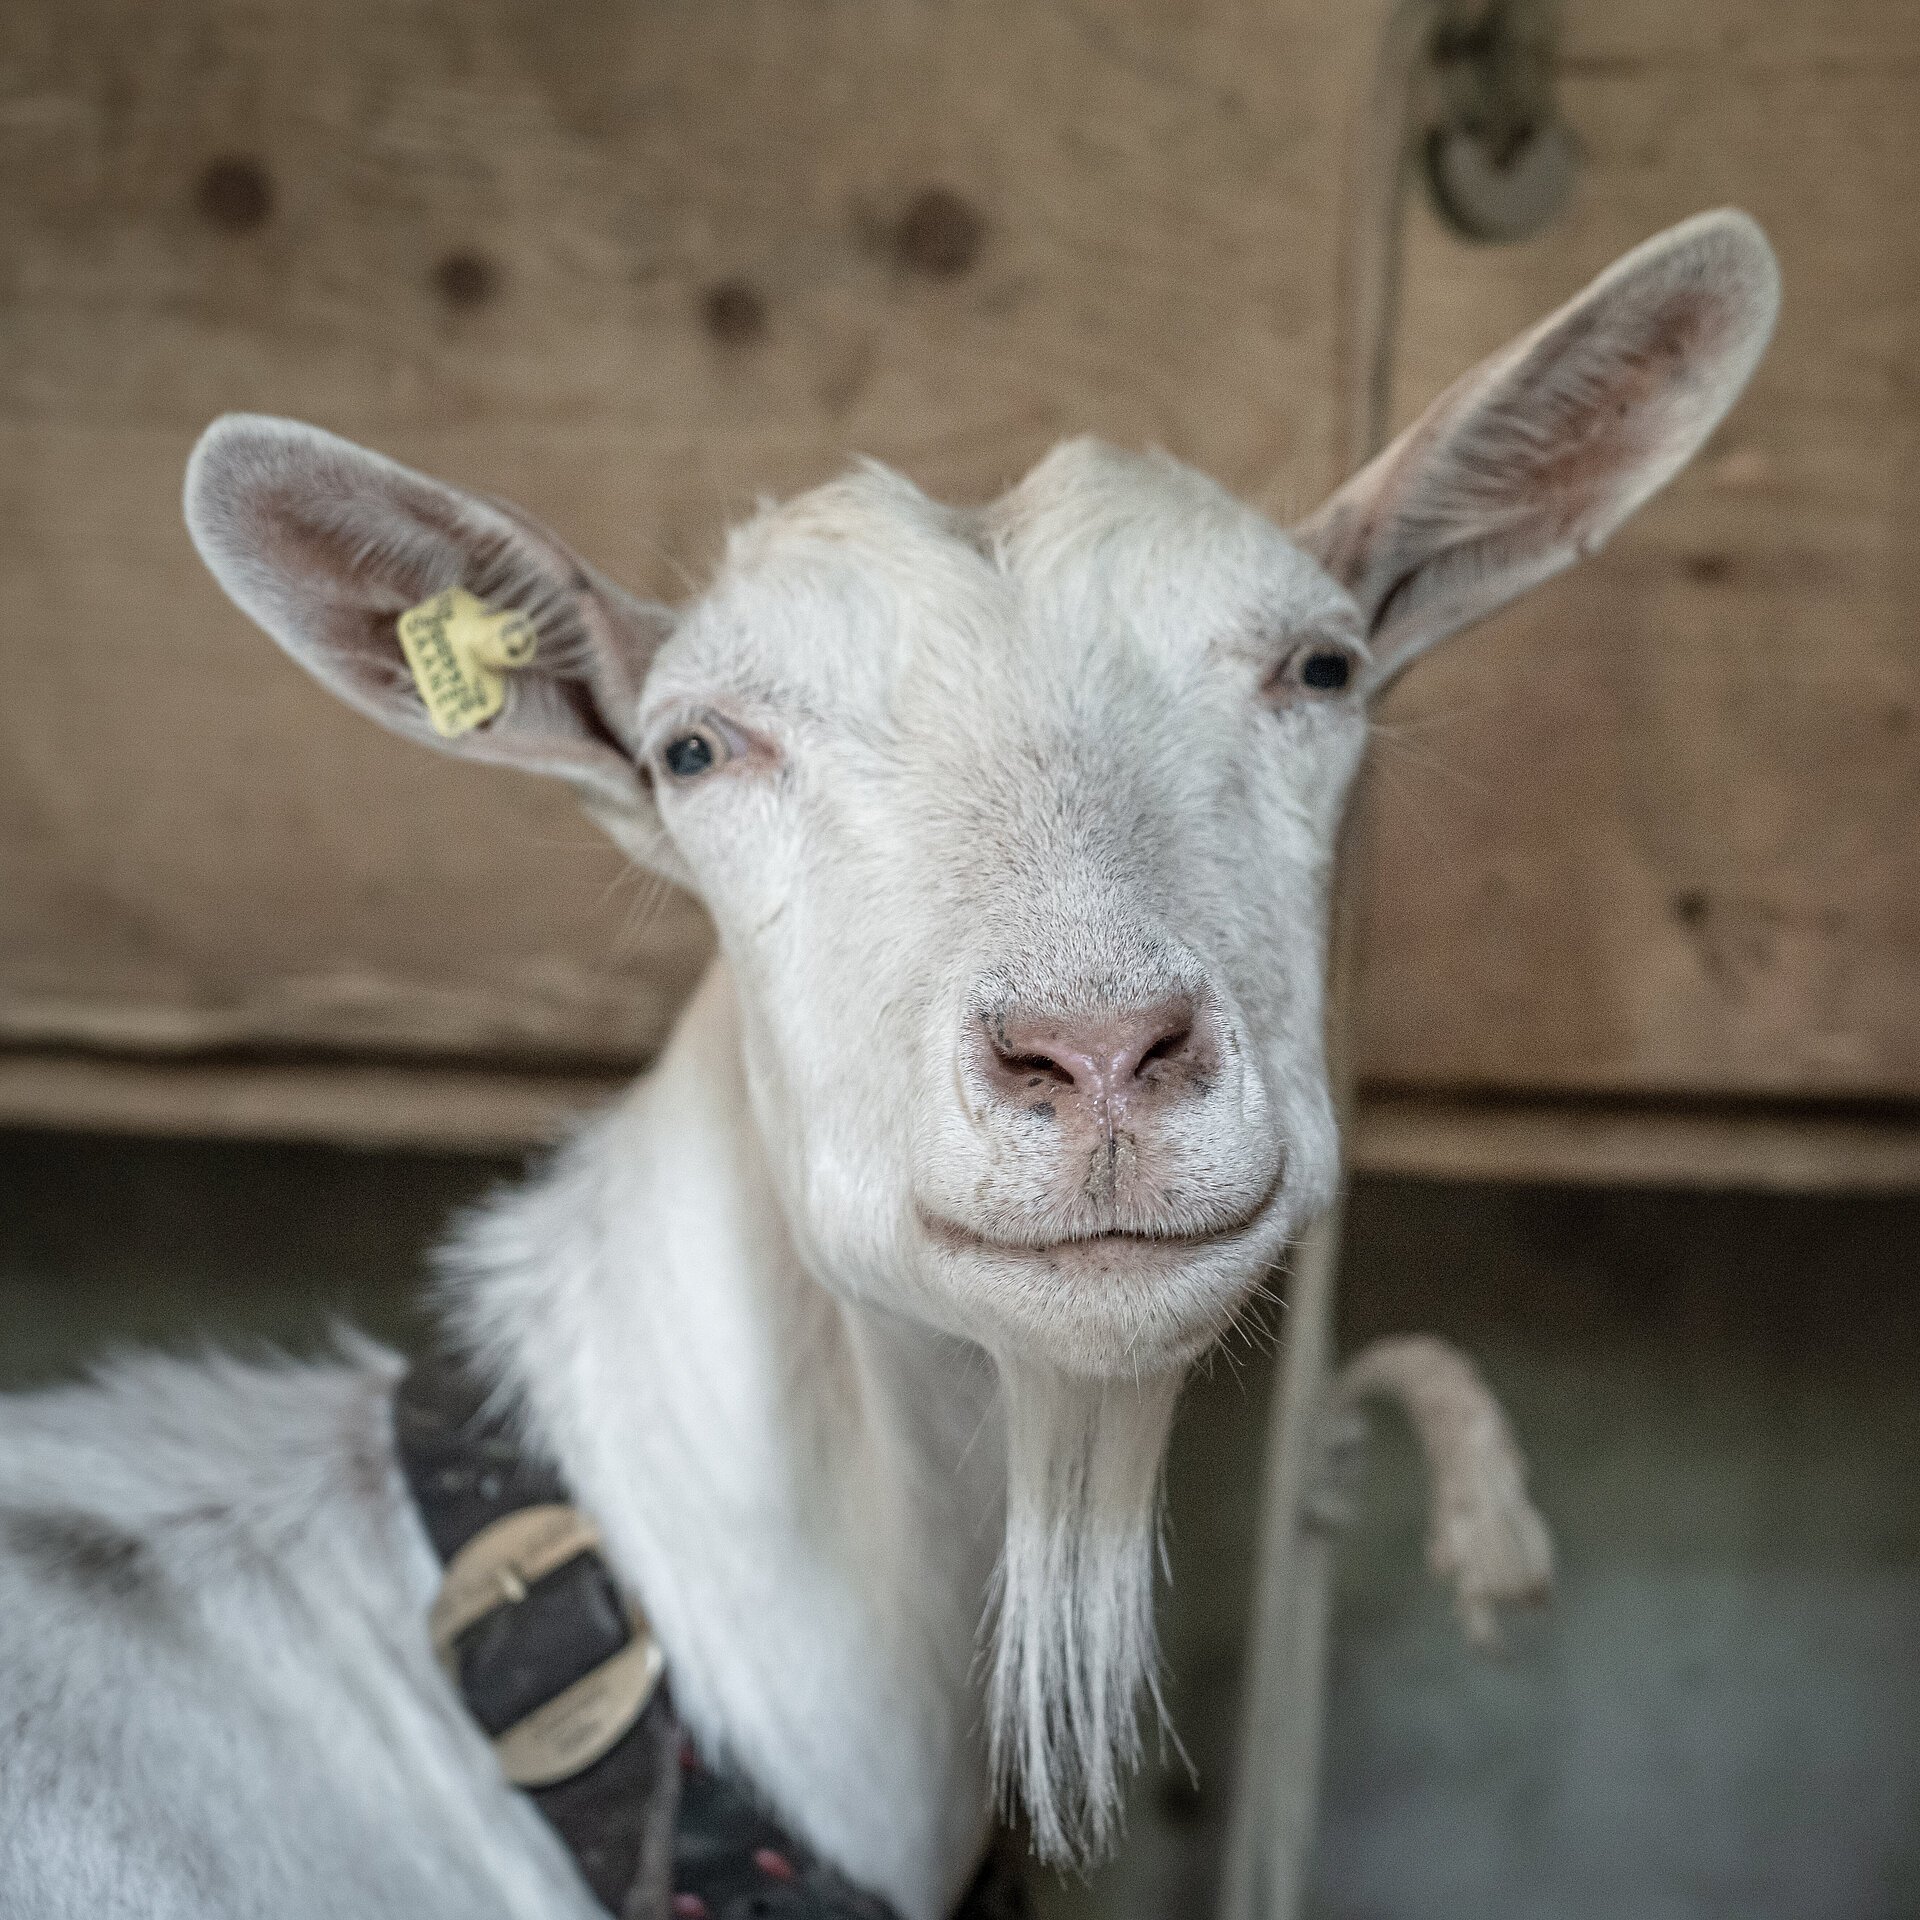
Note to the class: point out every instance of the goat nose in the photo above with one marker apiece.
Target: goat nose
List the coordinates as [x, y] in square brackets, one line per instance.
[1099, 1067]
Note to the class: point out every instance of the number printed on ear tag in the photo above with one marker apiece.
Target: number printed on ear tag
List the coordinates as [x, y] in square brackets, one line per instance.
[460, 650]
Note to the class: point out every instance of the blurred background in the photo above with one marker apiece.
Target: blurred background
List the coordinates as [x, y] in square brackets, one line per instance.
[1638, 1119]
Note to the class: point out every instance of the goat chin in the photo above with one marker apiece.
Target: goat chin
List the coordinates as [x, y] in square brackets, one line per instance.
[1073, 1644]
[1112, 1312]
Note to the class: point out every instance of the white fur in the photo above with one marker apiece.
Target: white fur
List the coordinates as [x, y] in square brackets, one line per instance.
[864, 1366]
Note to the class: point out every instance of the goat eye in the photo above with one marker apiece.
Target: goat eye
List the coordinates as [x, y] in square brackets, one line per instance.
[1325, 670]
[691, 754]
[1315, 668]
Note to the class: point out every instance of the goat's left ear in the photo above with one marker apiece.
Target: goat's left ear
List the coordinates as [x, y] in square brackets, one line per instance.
[1532, 460]
[326, 545]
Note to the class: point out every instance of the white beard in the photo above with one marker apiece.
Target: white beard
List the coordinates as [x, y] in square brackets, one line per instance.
[1074, 1636]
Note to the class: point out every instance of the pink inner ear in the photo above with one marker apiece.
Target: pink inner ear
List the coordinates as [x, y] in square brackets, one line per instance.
[1536, 456]
[326, 546]
[342, 574]
[1606, 402]
[1539, 448]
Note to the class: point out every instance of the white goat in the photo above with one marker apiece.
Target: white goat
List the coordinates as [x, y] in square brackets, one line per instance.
[858, 1325]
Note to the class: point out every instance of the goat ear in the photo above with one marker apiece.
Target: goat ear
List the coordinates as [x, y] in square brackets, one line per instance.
[1532, 460]
[326, 545]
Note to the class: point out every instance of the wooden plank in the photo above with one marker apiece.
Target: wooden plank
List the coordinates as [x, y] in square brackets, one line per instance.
[1627, 1143]
[495, 1109]
[1653, 831]
[337, 1103]
[634, 266]
[1650, 833]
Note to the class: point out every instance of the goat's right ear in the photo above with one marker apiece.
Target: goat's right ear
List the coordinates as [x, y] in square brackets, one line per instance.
[1532, 459]
[327, 545]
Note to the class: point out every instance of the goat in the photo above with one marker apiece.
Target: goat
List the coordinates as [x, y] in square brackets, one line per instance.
[858, 1325]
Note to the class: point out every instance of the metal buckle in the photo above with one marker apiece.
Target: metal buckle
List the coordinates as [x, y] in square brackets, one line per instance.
[568, 1733]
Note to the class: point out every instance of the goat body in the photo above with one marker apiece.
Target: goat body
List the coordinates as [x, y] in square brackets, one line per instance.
[219, 1693]
[859, 1324]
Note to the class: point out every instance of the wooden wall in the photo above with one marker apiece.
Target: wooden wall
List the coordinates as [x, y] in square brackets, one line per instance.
[634, 262]
[1657, 829]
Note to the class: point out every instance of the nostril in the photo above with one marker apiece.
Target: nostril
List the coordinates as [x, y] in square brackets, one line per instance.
[1167, 1047]
[1037, 1066]
[1102, 1063]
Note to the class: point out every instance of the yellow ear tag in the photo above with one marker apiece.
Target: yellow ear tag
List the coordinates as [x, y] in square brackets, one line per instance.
[460, 650]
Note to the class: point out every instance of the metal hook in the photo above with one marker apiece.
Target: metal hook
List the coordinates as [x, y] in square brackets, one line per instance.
[1500, 162]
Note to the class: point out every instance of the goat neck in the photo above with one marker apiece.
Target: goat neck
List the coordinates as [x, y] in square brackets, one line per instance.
[806, 1492]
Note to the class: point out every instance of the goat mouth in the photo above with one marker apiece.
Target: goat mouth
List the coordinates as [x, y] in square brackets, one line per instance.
[1139, 1241]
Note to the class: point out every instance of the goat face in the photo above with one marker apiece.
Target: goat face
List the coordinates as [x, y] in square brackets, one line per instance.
[1016, 826]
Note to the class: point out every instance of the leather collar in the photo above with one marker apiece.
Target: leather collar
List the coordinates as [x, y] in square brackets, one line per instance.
[656, 1834]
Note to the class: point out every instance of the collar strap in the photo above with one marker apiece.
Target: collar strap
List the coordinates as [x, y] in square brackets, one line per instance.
[560, 1672]
[564, 1676]
[530, 1628]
